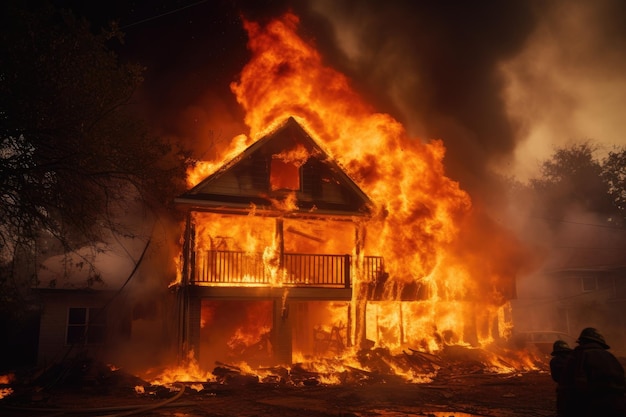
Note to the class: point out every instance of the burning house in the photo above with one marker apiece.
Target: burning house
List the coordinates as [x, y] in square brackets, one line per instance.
[274, 262]
[253, 241]
[332, 230]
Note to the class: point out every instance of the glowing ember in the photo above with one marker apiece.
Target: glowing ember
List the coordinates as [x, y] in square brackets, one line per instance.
[6, 380]
[444, 287]
[5, 392]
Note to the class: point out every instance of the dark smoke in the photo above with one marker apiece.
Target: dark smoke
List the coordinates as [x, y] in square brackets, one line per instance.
[435, 67]
[501, 83]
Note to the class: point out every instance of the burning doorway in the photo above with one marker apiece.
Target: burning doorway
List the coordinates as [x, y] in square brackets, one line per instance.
[242, 331]
[234, 331]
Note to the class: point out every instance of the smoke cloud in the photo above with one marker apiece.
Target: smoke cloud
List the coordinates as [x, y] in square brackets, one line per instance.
[568, 84]
[435, 67]
[502, 84]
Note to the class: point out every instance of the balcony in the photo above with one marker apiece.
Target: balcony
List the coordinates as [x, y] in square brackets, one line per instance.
[298, 270]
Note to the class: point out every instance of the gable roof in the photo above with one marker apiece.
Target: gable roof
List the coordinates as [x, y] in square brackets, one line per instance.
[285, 164]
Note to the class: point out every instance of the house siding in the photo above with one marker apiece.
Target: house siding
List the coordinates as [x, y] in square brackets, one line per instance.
[53, 323]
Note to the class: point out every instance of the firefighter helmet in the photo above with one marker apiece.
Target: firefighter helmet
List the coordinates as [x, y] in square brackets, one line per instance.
[560, 346]
[590, 334]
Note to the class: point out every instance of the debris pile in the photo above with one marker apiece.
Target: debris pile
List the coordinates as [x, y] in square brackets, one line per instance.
[372, 366]
[379, 365]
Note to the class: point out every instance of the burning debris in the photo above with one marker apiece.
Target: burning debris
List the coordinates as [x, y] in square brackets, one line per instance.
[368, 366]
[235, 390]
[57, 388]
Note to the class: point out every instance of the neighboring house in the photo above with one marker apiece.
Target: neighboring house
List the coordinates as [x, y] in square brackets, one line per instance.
[75, 321]
[582, 283]
[275, 235]
[92, 303]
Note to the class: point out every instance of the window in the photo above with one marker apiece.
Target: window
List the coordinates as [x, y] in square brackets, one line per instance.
[284, 175]
[86, 326]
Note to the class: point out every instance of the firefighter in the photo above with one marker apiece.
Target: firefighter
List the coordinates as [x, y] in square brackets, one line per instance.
[595, 379]
[561, 353]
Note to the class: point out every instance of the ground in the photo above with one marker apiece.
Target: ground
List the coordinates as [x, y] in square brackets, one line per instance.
[450, 393]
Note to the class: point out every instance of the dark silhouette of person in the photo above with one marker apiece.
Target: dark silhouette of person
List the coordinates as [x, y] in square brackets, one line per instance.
[561, 354]
[594, 379]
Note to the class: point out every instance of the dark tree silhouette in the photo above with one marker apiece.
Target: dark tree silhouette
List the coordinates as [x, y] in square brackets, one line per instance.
[614, 175]
[72, 149]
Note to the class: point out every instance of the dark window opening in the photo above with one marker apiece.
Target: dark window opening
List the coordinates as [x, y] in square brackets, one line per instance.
[86, 326]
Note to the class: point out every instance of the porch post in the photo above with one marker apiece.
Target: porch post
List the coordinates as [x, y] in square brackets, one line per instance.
[281, 332]
[188, 306]
[359, 286]
[183, 293]
[193, 326]
[281, 328]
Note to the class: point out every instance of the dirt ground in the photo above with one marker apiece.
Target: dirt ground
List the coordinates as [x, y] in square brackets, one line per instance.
[449, 394]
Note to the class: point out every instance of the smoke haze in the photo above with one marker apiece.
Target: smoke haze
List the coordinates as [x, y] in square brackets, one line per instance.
[502, 84]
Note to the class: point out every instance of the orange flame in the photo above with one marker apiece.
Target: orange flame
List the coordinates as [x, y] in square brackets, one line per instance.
[189, 371]
[403, 176]
[419, 212]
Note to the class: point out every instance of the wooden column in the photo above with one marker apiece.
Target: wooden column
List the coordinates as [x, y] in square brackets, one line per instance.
[183, 293]
[281, 332]
[359, 286]
[189, 307]
[193, 323]
[281, 329]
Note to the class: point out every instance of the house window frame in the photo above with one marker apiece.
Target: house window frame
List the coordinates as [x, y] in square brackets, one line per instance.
[85, 326]
[277, 181]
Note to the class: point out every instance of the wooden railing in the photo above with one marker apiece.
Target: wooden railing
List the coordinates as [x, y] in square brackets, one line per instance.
[294, 269]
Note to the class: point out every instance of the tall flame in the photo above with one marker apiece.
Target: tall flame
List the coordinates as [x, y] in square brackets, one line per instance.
[403, 176]
[419, 211]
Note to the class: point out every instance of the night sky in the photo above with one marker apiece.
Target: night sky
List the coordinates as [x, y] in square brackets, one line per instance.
[501, 83]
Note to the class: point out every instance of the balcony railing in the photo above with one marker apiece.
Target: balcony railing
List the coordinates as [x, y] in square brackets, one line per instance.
[294, 269]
